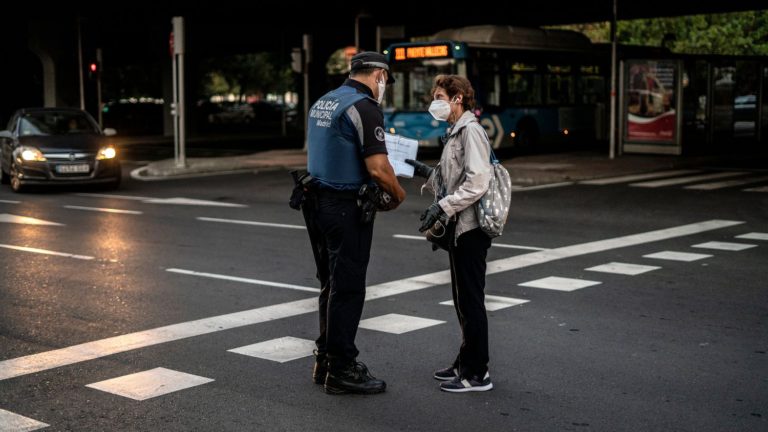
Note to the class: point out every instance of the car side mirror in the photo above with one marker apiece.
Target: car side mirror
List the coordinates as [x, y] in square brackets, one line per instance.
[110, 132]
[6, 134]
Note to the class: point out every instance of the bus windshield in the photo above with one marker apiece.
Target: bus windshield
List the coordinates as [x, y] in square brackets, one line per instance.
[413, 82]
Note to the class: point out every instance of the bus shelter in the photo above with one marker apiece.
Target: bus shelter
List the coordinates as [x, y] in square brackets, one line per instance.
[693, 104]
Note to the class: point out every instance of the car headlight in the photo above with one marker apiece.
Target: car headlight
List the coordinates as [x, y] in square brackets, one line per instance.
[106, 153]
[29, 154]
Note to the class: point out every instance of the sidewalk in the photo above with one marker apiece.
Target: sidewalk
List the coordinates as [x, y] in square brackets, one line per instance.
[533, 170]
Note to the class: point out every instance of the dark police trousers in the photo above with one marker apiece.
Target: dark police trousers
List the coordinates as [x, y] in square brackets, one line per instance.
[468, 285]
[341, 245]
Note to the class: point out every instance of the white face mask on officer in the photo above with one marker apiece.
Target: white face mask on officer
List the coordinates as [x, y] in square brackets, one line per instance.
[382, 83]
[441, 109]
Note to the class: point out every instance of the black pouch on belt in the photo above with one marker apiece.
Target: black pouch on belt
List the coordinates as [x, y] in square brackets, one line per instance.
[301, 180]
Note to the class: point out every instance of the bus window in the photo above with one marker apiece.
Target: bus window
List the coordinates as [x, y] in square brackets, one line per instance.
[523, 84]
[489, 86]
[591, 89]
[590, 85]
[559, 85]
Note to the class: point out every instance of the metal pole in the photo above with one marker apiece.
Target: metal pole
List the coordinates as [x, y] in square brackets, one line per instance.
[80, 64]
[612, 128]
[307, 47]
[100, 104]
[182, 162]
[175, 112]
[179, 124]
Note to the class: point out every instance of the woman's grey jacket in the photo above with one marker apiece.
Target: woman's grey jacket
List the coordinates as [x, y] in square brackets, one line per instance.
[465, 168]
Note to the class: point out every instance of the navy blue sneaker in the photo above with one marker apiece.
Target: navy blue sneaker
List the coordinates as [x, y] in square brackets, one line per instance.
[447, 374]
[470, 384]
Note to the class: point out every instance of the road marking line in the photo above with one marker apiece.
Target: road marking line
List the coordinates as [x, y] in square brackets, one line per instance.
[397, 323]
[101, 348]
[14, 422]
[244, 280]
[519, 261]
[635, 177]
[501, 245]
[175, 200]
[246, 222]
[9, 202]
[105, 210]
[754, 236]
[757, 189]
[150, 383]
[727, 183]
[623, 268]
[10, 218]
[279, 350]
[559, 283]
[544, 186]
[191, 201]
[125, 197]
[45, 252]
[494, 303]
[727, 246]
[689, 179]
[677, 256]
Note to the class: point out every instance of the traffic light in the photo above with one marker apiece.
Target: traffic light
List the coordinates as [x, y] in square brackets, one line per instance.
[93, 70]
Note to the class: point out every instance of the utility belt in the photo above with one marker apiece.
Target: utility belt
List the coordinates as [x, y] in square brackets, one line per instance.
[369, 197]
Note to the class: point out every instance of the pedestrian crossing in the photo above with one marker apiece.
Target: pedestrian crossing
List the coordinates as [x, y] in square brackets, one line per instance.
[689, 179]
[153, 383]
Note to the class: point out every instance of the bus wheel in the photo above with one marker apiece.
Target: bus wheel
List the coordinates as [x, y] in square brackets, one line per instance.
[527, 133]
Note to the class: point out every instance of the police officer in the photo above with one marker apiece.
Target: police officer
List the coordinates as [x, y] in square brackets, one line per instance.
[346, 151]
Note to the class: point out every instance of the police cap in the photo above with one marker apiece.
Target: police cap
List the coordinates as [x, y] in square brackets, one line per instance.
[371, 59]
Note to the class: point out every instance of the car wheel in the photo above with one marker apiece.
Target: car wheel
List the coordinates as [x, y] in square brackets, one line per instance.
[16, 185]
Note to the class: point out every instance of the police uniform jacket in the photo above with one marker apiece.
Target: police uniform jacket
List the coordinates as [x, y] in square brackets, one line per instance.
[344, 127]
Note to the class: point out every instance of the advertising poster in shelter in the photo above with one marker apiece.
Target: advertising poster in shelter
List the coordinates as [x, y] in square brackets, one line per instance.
[650, 95]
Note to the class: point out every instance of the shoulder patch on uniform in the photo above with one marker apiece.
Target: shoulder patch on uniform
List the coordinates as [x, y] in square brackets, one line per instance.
[379, 132]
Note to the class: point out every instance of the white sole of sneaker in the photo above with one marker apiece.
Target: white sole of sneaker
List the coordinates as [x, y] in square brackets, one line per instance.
[468, 389]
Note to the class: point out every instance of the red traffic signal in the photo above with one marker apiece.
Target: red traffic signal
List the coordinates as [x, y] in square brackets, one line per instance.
[93, 67]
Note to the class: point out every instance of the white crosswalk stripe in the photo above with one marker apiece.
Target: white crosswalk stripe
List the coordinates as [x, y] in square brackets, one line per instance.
[18, 423]
[699, 179]
[728, 183]
[687, 179]
[148, 384]
[637, 177]
[757, 189]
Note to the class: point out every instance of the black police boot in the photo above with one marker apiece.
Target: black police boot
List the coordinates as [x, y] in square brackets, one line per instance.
[321, 368]
[352, 378]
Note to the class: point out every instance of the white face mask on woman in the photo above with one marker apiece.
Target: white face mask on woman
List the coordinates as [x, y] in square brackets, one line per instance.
[441, 109]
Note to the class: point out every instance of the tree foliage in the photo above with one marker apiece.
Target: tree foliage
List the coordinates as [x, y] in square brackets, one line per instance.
[738, 33]
[247, 74]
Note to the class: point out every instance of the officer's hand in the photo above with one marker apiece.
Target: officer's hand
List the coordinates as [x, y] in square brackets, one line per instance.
[431, 215]
[421, 169]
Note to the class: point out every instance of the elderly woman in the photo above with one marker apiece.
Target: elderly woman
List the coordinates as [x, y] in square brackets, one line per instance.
[460, 179]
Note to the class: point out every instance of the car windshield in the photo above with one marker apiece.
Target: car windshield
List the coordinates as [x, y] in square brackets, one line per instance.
[56, 123]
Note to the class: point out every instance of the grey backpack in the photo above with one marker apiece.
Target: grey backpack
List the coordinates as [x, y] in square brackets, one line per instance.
[493, 208]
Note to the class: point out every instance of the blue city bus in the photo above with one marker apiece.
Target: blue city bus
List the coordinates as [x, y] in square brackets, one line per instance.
[534, 88]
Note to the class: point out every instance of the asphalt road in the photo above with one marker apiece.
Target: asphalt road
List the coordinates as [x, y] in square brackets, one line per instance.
[175, 284]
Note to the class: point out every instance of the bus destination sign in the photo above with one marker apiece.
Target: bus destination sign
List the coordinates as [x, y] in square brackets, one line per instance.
[422, 52]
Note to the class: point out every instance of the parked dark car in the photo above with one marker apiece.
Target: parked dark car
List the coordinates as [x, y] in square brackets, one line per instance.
[57, 146]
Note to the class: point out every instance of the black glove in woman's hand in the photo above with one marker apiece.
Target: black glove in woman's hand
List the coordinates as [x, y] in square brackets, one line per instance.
[421, 169]
[431, 215]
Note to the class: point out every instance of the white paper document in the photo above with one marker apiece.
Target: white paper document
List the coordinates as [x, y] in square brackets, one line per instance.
[401, 148]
